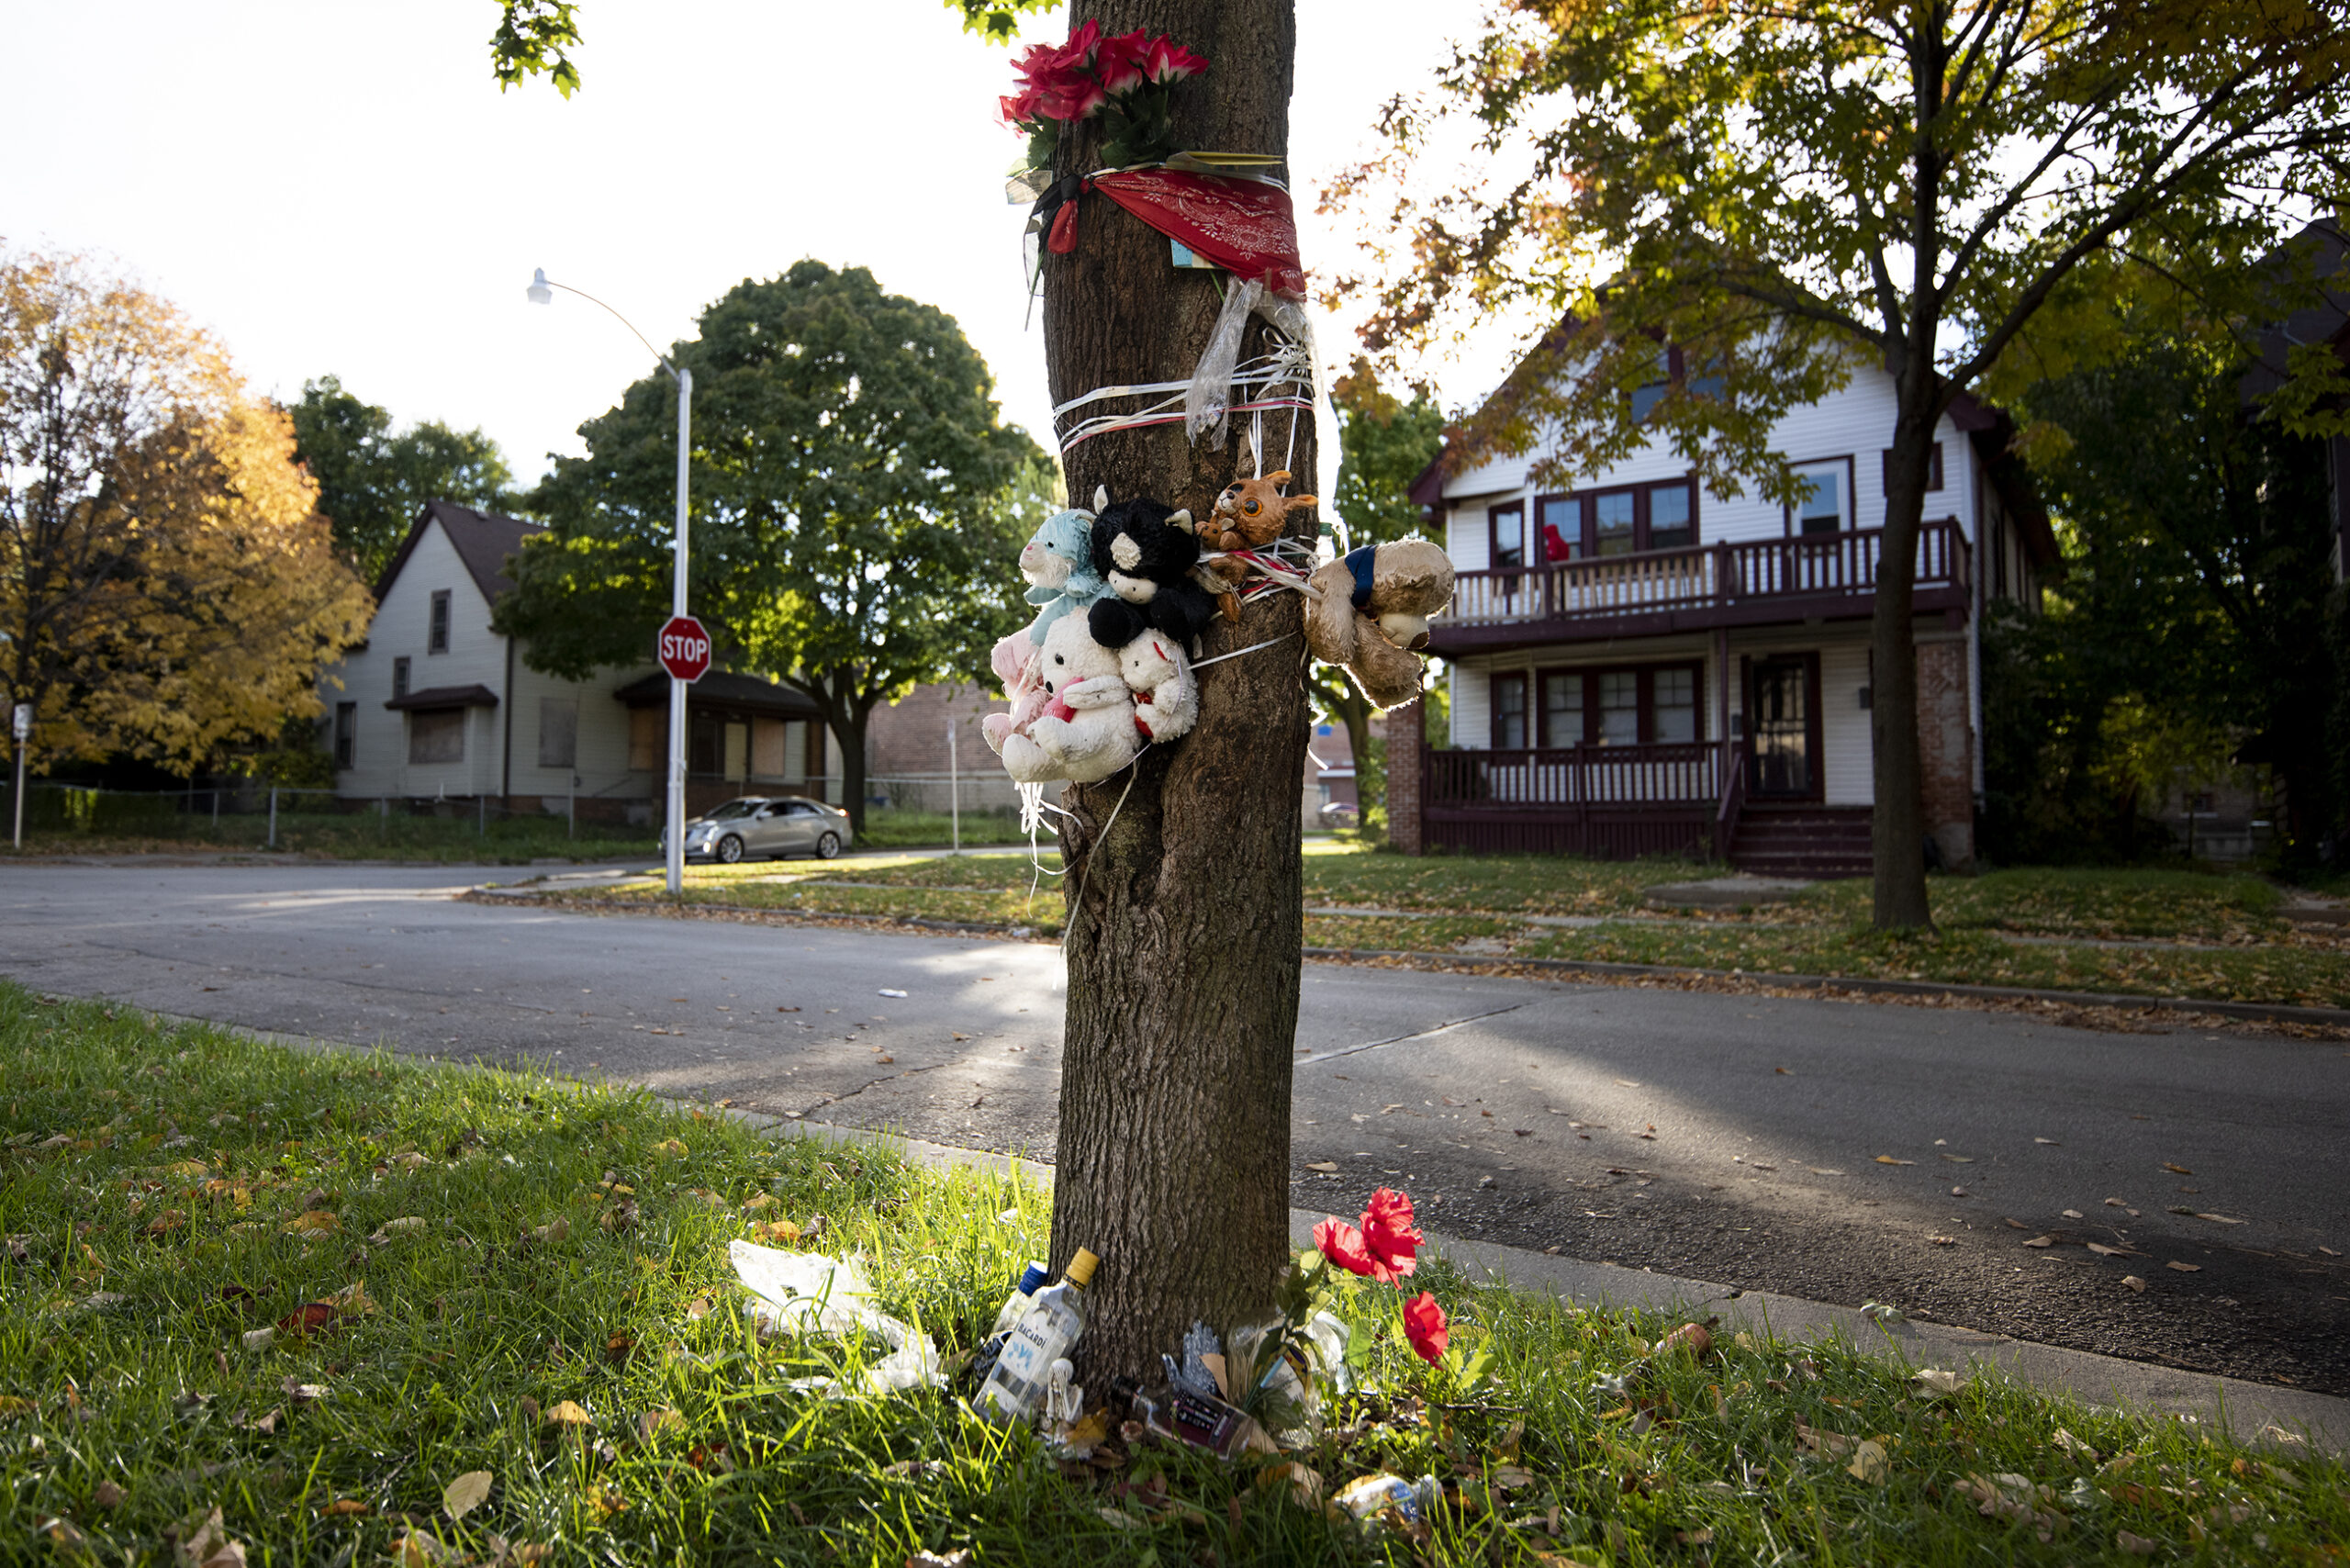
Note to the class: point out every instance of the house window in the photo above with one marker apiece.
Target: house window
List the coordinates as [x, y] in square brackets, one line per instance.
[1560, 524]
[1934, 468]
[1822, 511]
[558, 731]
[1508, 525]
[436, 734]
[1509, 711]
[1561, 708]
[437, 640]
[646, 737]
[346, 734]
[1671, 520]
[400, 677]
[1612, 521]
[1640, 705]
[1620, 707]
[1618, 521]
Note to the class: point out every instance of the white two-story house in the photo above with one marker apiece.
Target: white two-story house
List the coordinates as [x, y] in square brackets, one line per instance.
[436, 706]
[1638, 665]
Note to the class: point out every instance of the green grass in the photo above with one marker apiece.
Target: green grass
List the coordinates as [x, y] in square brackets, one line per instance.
[935, 830]
[454, 839]
[129, 1401]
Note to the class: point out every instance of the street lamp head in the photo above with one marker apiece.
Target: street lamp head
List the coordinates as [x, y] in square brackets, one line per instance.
[541, 291]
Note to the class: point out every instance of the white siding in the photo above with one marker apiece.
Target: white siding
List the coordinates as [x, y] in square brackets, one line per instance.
[1849, 774]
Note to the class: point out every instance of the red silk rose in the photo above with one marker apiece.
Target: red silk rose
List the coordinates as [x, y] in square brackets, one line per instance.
[1167, 62]
[1342, 1244]
[1388, 1232]
[1121, 62]
[1424, 1326]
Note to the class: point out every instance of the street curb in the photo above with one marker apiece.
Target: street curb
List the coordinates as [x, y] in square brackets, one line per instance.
[2254, 1011]
[2253, 1413]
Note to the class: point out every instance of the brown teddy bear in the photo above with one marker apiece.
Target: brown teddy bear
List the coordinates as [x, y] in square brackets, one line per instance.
[1367, 613]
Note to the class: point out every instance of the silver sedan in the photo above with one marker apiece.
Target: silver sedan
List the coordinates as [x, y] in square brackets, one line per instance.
[754, 826]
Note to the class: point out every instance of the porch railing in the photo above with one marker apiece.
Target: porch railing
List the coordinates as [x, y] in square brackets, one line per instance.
[1671, 773]
[1702, 576]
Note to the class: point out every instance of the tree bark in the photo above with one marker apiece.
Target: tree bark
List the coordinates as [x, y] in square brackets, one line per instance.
[1186, 917]
[1898, 836]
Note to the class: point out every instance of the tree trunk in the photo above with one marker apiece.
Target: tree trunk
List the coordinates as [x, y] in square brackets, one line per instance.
[850, 732]
[1185, 912]
[1898, 837]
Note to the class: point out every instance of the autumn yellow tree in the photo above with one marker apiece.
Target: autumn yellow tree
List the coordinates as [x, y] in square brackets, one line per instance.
[167, 588]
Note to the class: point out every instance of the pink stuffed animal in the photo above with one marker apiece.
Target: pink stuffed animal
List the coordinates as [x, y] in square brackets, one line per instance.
[1014, 660]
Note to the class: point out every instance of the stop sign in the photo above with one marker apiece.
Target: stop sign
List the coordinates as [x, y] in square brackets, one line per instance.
[684, 648]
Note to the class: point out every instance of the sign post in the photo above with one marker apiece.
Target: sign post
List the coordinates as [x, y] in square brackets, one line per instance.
[21, 726]
[683, 648]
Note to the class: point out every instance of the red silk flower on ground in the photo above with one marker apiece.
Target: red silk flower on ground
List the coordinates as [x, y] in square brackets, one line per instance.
[1388, 1234]
[1342, 1244]
[1424, 1326]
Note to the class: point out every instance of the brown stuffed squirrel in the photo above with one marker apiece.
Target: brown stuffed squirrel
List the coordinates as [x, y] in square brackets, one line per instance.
[1250, 512]
[1368, 612]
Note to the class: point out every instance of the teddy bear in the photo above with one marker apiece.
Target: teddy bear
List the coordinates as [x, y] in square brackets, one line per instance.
[1057, 561]
[1368, 612]
[1085, 730]
[1167, 695]
[1146, 553]
[1250, 513]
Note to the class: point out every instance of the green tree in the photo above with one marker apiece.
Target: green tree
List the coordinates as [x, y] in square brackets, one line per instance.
[372, 480]
[1385, 443]
[856, 501]
[1782, 190]
[2191, 622]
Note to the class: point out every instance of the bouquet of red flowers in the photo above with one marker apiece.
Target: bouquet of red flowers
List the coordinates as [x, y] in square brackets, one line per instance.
[1125, 79]
[1386, 1247]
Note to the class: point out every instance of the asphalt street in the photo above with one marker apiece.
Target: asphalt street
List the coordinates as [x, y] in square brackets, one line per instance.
[1839, 1152]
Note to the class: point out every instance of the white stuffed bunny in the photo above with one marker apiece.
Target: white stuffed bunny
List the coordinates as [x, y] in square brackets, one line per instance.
[1087, 731]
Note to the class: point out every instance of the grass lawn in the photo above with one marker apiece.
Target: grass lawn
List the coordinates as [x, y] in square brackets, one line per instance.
[2238, 949]
[528, 1279]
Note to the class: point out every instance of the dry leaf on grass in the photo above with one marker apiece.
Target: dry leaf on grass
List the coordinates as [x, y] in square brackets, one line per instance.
[317, 1222]
[465, 1494]
[2135, 1545]
[1835, 1445]
[1869, 1462]
[201, 1541]
[343, 1508]
[552, 1231]
[653, 1421]
[1934, 1383]
[567, 1413]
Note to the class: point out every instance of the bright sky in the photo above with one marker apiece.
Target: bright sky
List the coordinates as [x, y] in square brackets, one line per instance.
[338, 186]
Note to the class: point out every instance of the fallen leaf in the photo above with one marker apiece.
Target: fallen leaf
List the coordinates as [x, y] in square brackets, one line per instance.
[2042, 1241]
[1326, 1165]
[653, 1421]
[697, 1309]
[1693, 1338]
[201, 1541]
[2018, 1225]
[2329, 1252]
[567, 1414]
[303, 1393]
[465, 1494]
[2176, 1170]
[2047, 1140]
[2218, 1219]
[1511, 1477]
[343, 1508]
[1629, 1083]
[758, 1201]
[321, 1222]
[670, 1146]
[1833, 1444]
[1869, 1461]
[2102, 1250]
[1936, 1384]
[553, 1230]
[1960, 1158]
[1118, 1518]
[391, 1228]
[2135, 1545]
[782, 1231]
[2073, 1446]
[1888, 1159]
[107, 1494]
[410, 1161]
[258, 1339]
[2131, 1281]
[959, 1558]
[2184, 1268]
[2074, 1214]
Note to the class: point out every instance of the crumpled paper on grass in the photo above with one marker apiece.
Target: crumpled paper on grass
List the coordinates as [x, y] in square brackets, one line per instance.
[803, 1292]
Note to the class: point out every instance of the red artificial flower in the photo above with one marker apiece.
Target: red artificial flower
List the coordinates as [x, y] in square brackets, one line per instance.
[1122, 61]
[1389, 1236]
[1424, 1326]
[1078, 53]
[1020, 109]
[1166, 61]
[1342, 1244]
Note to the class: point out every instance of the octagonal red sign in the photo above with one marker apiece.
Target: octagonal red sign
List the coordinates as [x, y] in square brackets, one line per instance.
[683, 648]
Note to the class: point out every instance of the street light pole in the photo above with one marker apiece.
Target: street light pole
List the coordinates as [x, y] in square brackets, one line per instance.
[542, 292]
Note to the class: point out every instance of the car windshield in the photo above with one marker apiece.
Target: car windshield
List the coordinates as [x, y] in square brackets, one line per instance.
[735, 810]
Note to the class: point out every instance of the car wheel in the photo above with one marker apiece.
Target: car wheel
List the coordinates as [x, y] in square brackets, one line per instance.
[828, 847]
[730, 850]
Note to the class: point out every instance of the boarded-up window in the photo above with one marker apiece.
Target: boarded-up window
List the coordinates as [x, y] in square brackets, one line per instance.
[558, 731]
[645, 738]
[436, 734]
[768, 745]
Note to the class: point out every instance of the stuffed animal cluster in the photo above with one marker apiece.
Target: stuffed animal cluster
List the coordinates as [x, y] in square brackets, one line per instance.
[1103, 670]
[1121, 591]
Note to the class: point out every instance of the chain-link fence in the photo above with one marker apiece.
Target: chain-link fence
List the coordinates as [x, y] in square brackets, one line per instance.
[244, 813]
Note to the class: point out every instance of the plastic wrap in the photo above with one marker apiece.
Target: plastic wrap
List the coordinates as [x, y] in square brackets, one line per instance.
[1207, 402]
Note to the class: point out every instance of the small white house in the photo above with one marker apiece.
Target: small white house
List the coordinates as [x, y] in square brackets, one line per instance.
[435, 705]
[1638, 665]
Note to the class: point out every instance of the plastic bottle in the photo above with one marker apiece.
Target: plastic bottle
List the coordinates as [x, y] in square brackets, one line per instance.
[1056, 1317]
[1411, 1500]
[1015, 1307]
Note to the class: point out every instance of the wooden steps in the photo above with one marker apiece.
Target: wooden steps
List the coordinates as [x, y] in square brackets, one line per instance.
[1814, 842]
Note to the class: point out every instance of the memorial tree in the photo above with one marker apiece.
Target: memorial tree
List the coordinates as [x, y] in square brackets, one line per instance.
[1182, 873]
